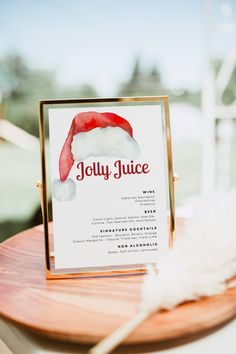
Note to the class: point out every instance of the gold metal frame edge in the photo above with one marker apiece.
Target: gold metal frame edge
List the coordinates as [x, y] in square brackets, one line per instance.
[45, 215]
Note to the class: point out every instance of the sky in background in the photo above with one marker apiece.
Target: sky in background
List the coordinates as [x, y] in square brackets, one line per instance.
[97, 41]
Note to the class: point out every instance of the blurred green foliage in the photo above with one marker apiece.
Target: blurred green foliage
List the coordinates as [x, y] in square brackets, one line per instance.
[149, 83]
[22, 87]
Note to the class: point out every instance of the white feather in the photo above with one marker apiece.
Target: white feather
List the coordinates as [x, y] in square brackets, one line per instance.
[202, 259]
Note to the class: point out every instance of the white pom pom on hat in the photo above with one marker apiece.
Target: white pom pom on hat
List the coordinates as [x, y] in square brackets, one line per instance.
[93, 134]
[64, 191]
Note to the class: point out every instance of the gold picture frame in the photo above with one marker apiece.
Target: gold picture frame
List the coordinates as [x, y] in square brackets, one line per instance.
[44, 105]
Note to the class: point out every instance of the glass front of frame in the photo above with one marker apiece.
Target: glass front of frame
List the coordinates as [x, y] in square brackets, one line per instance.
[107, 168]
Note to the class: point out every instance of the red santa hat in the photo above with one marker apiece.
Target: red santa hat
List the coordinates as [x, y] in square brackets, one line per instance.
[93, 134]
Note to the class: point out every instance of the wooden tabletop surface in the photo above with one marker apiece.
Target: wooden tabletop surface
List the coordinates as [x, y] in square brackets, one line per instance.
[86, 310]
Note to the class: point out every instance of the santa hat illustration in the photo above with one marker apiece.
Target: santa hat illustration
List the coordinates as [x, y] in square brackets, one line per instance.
[92, 134]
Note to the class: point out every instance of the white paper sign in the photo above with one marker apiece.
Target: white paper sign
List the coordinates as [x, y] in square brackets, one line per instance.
[108, 180]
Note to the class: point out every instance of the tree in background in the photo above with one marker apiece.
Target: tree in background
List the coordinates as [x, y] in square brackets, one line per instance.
[21, 88]
[149, 83]
[142, 83]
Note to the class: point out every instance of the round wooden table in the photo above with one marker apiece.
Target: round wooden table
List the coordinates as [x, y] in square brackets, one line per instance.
[86, 310]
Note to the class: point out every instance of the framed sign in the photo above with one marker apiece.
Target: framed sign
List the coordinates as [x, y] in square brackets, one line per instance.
[107, 167]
